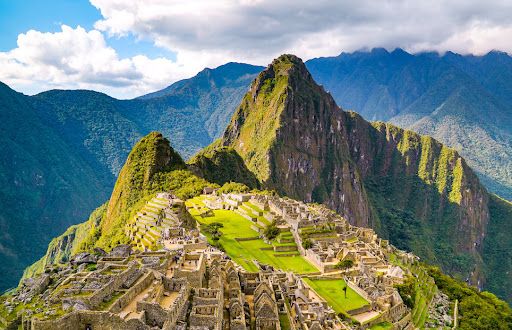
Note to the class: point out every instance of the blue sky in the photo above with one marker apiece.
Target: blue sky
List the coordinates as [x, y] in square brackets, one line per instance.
[17, 16]
[127, 48]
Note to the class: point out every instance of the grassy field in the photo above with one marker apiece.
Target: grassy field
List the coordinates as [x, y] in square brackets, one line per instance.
[244, 252]
[382, 326]
[332, 291]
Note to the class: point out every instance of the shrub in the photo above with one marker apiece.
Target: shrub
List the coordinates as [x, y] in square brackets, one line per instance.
[271, 231]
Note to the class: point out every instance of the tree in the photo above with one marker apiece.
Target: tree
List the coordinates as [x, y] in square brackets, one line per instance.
[345, 291]
[307, 244]
[214, 230]
[271, 231]
[345, 264]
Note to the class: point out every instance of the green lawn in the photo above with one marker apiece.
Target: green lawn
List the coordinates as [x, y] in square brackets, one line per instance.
[332, 291]
[244, 252]
[382, 326]
[284, 322]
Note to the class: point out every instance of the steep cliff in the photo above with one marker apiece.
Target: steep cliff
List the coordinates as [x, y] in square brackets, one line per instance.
[410, 188]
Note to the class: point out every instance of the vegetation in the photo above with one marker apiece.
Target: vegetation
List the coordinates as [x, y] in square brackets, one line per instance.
[497, 249]
[307, 243]
[75, 236]
[332, 289]
[345, 264]
[222, 165]
[460, 100]
[233, 187]
[259, 128]
[213, 230]
[271, 231]
[407, 291]
[477, 310]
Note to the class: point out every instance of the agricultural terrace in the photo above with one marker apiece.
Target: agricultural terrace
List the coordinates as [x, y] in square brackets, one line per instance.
[332, 291]
[244, 252]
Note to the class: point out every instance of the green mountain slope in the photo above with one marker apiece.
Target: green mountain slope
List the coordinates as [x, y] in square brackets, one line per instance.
[44, 184]
[463, 101]
[410, 188]
[152, 166]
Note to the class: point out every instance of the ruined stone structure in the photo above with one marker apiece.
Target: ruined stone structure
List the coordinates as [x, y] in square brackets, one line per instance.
[188, 284]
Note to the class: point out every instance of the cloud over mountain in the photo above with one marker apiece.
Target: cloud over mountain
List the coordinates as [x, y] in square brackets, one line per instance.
[76, 58]
[206, 33]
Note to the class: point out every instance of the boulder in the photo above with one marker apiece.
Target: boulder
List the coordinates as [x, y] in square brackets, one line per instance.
[84, 258]
[121, 251]
[99, 252]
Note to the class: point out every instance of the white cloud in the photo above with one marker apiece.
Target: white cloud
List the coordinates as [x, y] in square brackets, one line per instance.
[76, 58]
[257, 31]
[211, 32]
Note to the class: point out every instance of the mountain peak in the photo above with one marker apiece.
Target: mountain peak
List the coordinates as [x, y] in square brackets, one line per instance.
[151, 155]
[271, 103]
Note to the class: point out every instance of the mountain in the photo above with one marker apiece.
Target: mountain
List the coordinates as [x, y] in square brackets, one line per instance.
[463, 101]
[63, 150]
[45, 184]
[152, 166]
[90, 277]
[410, 188]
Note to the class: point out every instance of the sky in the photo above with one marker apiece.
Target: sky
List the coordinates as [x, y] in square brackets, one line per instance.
[127, 48]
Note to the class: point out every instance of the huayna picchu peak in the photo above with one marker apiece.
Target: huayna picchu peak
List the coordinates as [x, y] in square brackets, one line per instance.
[300, 216]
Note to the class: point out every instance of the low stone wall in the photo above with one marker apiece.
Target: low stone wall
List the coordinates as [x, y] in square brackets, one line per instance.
[285, 248]
[286, 255]
[108, 289]
[107, 260]
[360, 310]
[97, 320]
[244, 239]
[360, 291]
[195, 246]
[125, 299]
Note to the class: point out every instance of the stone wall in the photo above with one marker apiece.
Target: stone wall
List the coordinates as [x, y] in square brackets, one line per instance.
[97, 320]
[155, 314]
[125, 299]
[177, 306]
[195, 246]
[108, 289]
[194, 277]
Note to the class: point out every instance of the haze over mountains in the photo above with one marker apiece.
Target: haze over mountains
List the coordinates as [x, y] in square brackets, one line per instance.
[83, 137]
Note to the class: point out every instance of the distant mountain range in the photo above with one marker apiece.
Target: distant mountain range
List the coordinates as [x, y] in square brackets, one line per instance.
[463, 101]
[64, 148]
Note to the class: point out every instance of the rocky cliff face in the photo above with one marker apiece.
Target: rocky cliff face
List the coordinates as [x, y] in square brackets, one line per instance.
[292, 136]
[410, 188]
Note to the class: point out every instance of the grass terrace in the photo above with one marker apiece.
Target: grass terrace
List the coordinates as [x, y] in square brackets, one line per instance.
[382, 326]
[332, 291]
[244, 252]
